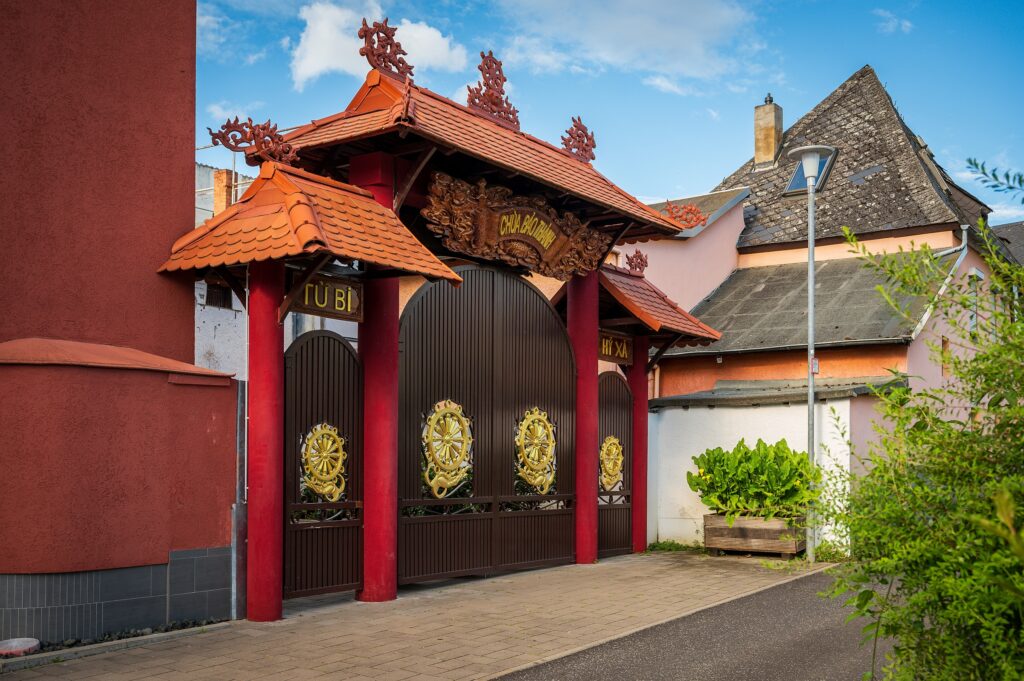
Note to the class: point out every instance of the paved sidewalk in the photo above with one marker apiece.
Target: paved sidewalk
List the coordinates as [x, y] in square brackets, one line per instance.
[468, 629]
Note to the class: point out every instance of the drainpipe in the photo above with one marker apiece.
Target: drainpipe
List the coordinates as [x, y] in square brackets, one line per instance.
[962, 250]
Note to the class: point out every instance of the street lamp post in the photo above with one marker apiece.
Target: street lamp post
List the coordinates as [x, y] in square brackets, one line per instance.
[810, 157]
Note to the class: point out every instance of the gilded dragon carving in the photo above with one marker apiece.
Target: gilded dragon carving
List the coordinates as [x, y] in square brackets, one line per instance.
[524, 231]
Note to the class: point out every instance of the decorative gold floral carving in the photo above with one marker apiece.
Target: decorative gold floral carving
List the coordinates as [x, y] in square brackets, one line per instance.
[612, 460]
[447, 445]
[323, 462]
[523, 231]
[535, 447]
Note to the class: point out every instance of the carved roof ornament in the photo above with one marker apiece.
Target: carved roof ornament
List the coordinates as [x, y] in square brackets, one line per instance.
[637, 262]
[382, 50]
[687, 215]
[579, 141]
[493, 223]
[268, 143]
[488, 95]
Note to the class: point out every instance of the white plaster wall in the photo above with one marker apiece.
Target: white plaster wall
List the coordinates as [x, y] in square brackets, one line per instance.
[222, 334]
[677, 435]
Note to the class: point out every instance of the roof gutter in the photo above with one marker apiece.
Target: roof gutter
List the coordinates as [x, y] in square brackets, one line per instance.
[962, 250]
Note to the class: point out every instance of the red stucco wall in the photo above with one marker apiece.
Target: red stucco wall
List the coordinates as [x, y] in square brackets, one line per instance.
[98, 107]
[102, 468]
[110, 468]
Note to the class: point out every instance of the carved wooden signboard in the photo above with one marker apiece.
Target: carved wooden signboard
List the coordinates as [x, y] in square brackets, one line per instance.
[615, 347]
[493, 223]
[331, 297]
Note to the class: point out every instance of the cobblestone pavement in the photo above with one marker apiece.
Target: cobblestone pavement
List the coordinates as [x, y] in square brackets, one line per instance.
[466, 629]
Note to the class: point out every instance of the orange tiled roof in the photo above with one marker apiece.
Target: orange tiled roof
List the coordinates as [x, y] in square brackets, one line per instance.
[383, 104]
[650, 305]
[287, 212]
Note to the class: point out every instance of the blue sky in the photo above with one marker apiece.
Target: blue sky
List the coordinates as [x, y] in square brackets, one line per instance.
[668, 88]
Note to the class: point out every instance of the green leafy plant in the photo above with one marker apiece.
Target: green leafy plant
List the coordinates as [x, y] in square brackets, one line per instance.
[671, 545]
[765, 480]
[930, 566]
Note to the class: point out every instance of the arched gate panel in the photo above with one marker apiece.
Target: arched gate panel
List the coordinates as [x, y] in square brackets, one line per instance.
[486, 372]
[323, 541]
[615, 423]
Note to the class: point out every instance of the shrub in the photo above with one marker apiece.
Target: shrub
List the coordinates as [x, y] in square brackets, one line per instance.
[933, 564]
[768, 480]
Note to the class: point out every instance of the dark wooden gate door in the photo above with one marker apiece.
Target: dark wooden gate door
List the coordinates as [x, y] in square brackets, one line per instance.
[323, 466]
[486, 431]
[615, 421]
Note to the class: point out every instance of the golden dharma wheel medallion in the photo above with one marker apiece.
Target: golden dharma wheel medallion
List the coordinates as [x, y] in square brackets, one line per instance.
[612, 460]
[323, 462]
[535, 447]
[447, 443]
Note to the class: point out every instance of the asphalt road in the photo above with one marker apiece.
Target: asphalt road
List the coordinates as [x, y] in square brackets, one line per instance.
[786, 633]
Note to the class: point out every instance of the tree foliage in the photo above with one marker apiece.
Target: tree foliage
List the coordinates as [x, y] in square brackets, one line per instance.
[933, 558]
[996, 179]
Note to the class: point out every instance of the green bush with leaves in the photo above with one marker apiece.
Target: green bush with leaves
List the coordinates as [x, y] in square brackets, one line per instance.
[766, 480]
[935, 564]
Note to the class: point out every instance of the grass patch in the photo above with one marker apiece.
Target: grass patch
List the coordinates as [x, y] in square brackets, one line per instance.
[671, 545]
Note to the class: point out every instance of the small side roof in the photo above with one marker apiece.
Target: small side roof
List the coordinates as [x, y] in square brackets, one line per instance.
[654, 308]
[1012, 233]
[287, 212]
[713, 205]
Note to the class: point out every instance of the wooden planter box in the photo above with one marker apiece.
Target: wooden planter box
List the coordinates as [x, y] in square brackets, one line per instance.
[754, 535]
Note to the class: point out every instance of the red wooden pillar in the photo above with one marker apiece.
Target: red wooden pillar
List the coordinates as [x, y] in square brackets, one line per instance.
[637, 378]
[583, 334]
[378, 349]
[265, 557]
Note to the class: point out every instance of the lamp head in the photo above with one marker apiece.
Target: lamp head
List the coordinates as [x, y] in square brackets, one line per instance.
[810, 157]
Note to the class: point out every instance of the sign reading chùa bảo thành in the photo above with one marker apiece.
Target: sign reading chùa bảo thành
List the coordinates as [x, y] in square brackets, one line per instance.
[331, 297]
[494, 223]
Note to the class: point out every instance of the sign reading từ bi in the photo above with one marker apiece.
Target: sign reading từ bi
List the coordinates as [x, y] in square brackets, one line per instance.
[331, 297]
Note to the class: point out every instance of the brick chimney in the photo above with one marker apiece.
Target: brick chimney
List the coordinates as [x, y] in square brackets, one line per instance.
[221, 190]
[767, 132]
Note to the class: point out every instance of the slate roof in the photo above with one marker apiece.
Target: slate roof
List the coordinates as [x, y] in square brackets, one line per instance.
[384, 105]
[650, 305]
[749, 393]
[1012, 235]
[765, 308]
[287, 212]
[883, 178]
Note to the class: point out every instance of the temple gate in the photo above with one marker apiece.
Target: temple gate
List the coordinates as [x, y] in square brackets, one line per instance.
[323, 466]
[614, 518]
[486, 430]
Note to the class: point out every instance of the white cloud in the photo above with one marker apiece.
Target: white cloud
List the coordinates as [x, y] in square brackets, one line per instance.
[223, 109]
[687, 38]
[255, 57]
[890, 23]
[714, 115]
[461, 95]
[212, 30]
[1006, 212]
[429, 49]
[668, 85]
[286, 43]
[329, 43]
